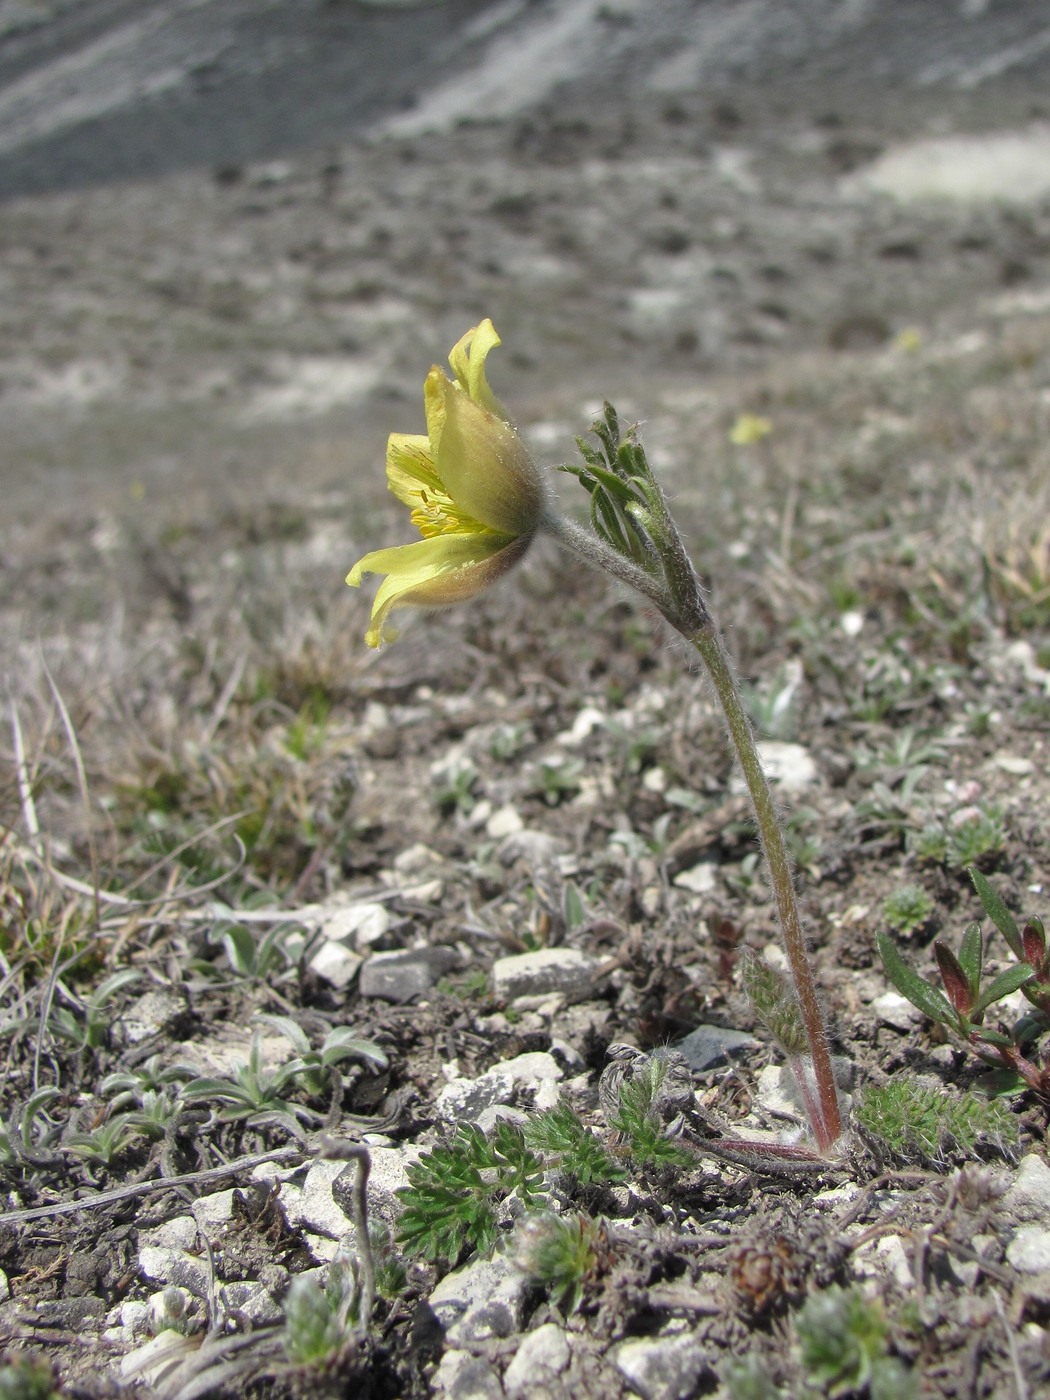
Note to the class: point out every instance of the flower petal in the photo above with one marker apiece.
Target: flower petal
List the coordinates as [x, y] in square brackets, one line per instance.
[483, 464]
[434, 573]
[410, 465]
[467, 358]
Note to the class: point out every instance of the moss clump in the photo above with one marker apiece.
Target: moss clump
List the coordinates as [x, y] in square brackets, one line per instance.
[923, 1125]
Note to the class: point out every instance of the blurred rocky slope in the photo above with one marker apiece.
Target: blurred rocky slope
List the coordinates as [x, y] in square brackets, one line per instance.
[235, 235]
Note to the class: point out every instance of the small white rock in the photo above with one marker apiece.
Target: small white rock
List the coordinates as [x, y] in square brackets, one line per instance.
[1028, 1198]
[486, 1298]
[505, 821]
[1014, 764]
[698, 879]
[542, 1356]
[335, 964]
[896, 1011]
[213, 1209]
[663, 1367]
[789, 765]
[1029, 1250]
[564, 970]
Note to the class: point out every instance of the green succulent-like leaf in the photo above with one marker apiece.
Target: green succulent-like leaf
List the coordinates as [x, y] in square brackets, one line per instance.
[971, 956]
[929, 1000]
[1006, 982]
[998, 913]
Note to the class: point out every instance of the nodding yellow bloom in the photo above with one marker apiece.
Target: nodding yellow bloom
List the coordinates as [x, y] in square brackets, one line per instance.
[475, 494]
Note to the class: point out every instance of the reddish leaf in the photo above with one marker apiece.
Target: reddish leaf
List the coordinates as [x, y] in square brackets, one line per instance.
[956, 983]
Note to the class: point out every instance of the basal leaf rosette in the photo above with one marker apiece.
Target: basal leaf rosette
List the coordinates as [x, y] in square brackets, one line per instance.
[475, 494]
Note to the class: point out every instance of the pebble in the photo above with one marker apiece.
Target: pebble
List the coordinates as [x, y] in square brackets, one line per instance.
[462, 1376]
[564, 970]
[1014, 764]
[152, 1014]
[504, 822]
[713, 1045]
[1028, 1199]
[663, 1367]
[777, 1091]
[335, 964]
[1029, 1250]
[535, 848]
[214, 1209]
[406, 973]
[896, 1011]
[167, 1264]
[365, 925]
[541, 1358]
[464, 1100]
[885, 1256]
[486, 1298]
[698, 879]
[790, 766]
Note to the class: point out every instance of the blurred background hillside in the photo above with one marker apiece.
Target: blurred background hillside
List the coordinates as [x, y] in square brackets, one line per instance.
[235, 233]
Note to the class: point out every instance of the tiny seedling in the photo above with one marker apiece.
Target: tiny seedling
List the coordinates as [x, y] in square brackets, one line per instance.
[29, 1135]
[87, 1024]
[643, 1126]
[907, 908]
[843, 1345]
[562, 1253]
[251, 1093]
[129, 1087]
[316, 1070]
[318, 1320]
[573, 1148]
[964, 998]
[106, 1142]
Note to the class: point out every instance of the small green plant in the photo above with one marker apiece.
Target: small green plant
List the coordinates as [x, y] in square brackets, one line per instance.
[316, 1070]
[454, 784]
[87, 1025]
[842, 1341]
[451, 1202]
[29, 1135]
[907, 908]
[318, 1321]
[251, 1093]
[774, 704]
[970, 836]
[928, 1127]
[748, 1379]
[27, 1377]
[106, 1142]
[965, 999]
[563, 1254]
[259, 957]
[557, 778]
[641, 1124]
[130, 1087]
[559, 1133]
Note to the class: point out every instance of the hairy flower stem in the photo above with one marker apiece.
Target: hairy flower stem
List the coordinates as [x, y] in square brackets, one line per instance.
[681, 601]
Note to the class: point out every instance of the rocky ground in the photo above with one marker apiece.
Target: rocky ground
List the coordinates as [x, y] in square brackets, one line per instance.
[516, 837]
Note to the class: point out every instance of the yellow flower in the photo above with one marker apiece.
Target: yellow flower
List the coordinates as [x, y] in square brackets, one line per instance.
[475, 494]
[749, 428]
